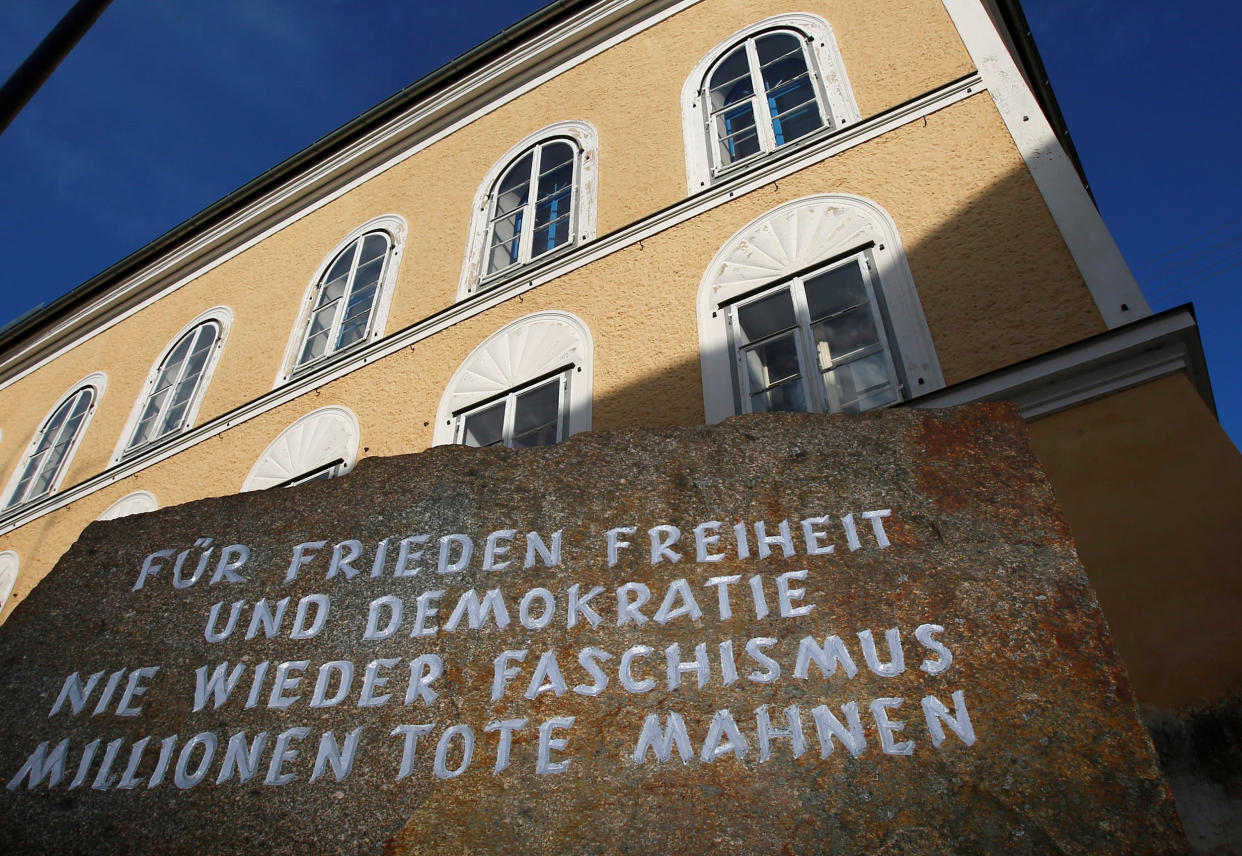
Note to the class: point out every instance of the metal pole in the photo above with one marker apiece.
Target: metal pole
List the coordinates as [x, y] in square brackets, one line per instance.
[25, 82]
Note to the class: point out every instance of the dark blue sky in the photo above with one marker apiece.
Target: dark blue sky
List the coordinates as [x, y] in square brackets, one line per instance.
[167, 105]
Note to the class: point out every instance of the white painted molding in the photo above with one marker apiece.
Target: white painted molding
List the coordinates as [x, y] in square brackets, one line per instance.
[537, 274]
[517, 353]
[395, 227]
[1122, 358]
[98, 381]
[1116, 294]
[138, 502]
[9, 565]
[585, 194]
[791, 238]
[223, 316]
[318, 438]
[831, 83]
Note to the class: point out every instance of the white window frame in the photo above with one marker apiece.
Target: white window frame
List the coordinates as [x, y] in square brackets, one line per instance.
[585, 139]
[326, 437]
[97, 382]
[827, 70]
[800, 236]
[10, 566]
[222, 317]
[395, 227]
[563, 378]
[515, 358]
[819, 399]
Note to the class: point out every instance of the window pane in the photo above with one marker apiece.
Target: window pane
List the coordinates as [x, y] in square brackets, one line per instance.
[835, 291]
[367, 275]
[772, 48]
[374, 246]
[337, 277]
[736, 134]
[502, 255]
[842, 335]
[787, 396]
[772, 362]
[766, 316]
[513, 188]
[550, 237]
[731, 82]
[861, 384]
[484, 427]
[536, 414]
[556, 168]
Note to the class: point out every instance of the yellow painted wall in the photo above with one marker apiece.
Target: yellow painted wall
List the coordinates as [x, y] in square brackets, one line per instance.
[639, 304]
[894, 50]
[1152, 487]
[996, 281]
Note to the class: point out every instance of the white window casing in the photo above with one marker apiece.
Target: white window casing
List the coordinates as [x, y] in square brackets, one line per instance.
[332, 314]
[9, 565]
[221, 318]
[521, 357]
[485, 216]
[796, 241]
[827, 79]
[322, 440]
[138, 502]
[48, 472]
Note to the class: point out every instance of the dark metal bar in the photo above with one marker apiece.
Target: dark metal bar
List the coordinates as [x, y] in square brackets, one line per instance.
[38, 67]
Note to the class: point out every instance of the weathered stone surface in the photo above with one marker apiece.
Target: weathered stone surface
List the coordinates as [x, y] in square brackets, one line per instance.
[974, 562]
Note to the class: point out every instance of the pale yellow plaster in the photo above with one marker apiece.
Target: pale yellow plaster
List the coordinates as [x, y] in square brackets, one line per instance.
[1152, 487]
[996, 283]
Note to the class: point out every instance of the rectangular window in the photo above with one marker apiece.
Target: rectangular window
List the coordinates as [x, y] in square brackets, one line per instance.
[817, 342]
[530, 415]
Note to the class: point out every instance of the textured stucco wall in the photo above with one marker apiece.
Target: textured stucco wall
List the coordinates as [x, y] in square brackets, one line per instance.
[1152, 486]
[995, 279]
[894, 50]
[975, 223]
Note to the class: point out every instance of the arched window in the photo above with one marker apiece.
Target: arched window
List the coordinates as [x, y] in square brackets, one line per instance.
[812, 307]
[761, 95]
[528, 384]
[537, 199]
[321, 444]
[349, 297]
[532, 208]
[775, 82]
[177, 384]
[45, 462]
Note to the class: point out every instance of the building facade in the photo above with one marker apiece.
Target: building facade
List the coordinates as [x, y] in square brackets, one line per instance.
[623, 213]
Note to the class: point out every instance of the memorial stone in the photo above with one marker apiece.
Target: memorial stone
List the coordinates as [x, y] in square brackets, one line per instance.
[784, 633]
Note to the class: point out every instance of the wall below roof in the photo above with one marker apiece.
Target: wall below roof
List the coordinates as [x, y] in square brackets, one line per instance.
[996, 283]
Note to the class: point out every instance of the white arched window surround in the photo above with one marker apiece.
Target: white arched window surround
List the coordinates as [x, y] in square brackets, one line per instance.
[9, 565]
[828, 69]
[394, 226]
[96, 382]
[138, 502]
[537, 346]
[790, 240]
[320, 444]
[222, 317]
[585, 186]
